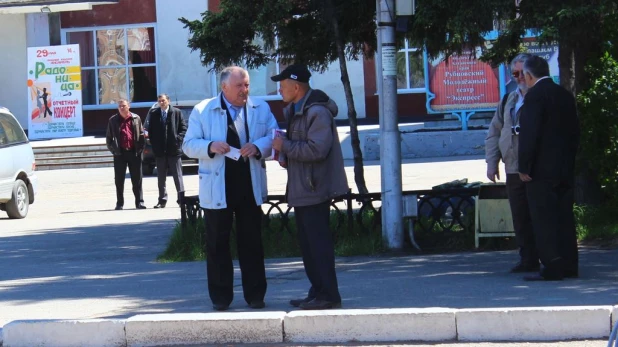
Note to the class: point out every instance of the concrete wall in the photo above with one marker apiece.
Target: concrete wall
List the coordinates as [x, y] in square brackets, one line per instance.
[330, 82]
[13, 88]
[181, 74]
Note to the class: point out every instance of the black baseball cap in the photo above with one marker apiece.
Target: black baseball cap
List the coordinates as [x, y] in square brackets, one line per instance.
[298, 73]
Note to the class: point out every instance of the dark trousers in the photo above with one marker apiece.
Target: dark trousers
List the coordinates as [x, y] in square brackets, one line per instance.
[551, 209]
[174, 165]
[134, 162]
[219, 266]
[318, 250]
[524, 234]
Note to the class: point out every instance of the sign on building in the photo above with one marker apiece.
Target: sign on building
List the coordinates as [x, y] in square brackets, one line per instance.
[54, 92]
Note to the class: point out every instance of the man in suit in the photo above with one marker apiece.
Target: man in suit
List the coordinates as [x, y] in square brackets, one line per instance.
[547, 146]
[166, 130]
[231, 134]
[125, 139]
[502, 142]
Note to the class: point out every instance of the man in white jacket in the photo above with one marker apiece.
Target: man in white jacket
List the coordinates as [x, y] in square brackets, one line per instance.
[231, 134]
[502, 142]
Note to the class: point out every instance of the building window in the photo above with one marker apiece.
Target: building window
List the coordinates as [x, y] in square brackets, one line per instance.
[117, 62]
[410, 71]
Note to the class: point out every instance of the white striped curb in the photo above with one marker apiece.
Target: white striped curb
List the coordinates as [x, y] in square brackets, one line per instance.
[533, 323]
[64, 333]
[205, 328]
[430, 324]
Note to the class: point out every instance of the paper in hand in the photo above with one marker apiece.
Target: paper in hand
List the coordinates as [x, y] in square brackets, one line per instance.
[234, 153]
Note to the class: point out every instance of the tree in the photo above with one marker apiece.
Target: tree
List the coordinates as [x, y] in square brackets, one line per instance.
[312, 32]
[447, 26]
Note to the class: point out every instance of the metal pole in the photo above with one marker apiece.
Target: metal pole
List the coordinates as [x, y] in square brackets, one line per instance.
[380, 88]
[390, 161]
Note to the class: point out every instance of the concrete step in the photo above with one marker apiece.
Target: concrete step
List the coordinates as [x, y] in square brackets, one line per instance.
[73, 158]
[67, 164]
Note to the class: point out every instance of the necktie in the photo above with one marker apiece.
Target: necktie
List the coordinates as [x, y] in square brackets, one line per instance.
[164, 116]
[239, 123]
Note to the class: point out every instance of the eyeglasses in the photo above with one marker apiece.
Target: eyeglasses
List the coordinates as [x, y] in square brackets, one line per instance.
[517, 74]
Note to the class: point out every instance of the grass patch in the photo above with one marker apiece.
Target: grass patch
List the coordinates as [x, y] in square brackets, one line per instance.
[597, 224]
[279, 239]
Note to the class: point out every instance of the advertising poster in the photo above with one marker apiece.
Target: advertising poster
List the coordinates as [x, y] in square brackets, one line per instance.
[462, 83]
[54, 92]
[548, 52]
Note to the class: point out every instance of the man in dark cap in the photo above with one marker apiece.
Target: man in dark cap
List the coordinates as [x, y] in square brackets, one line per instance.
[311, 153]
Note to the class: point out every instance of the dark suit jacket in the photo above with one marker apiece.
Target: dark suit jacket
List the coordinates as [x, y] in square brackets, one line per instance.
[549, 133]
[166, 139]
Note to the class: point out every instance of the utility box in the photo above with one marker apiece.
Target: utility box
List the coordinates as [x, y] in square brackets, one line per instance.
[405, 7]
[493, 216]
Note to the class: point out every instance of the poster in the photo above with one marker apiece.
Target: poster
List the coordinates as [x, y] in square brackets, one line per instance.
[54, 92]
[548, 52]
[462, 83]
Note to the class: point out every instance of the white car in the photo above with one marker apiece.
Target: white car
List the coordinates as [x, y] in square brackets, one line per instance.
[18, 180]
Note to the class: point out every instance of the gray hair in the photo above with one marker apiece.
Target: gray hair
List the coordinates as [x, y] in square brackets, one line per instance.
[520, 58]
[536, 66]
[167, 97]
[228, 71]
[120, 101]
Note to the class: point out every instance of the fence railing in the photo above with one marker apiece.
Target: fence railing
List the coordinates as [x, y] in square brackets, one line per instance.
[442, 215]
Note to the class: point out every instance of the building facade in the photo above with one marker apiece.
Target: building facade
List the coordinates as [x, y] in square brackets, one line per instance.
[136, 49]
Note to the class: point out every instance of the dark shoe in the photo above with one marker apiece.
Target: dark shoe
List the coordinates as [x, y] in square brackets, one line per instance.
[118, 207]
[220, 307]
[297, 302]
[140, 207]
[571, 273]
[522, 267]
[257, 304]
[160, 205]
[317, 304]
[534, 278]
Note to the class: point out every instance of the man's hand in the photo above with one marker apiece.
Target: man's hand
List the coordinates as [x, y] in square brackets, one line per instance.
[249, 150]
[278, 143]
[493, 173]
[219, 147]
[524, 177]
[283, 164]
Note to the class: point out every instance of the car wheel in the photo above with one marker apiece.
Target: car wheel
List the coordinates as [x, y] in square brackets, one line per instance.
[17, 208]
[148, 169]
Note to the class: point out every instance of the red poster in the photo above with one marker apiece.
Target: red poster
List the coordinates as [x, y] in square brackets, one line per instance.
[462, 84]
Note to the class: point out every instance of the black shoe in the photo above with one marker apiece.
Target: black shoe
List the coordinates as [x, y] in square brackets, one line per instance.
[297, 302]
[317, 304]
[523, 267]
[118, 207]
[220, 307]
[140, 207]
[257, 304]
[160, 205]
[571, 273]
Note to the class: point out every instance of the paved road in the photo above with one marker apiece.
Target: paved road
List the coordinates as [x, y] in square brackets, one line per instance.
[74, 257]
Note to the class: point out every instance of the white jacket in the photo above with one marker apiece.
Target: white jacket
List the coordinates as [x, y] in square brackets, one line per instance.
[207, 123]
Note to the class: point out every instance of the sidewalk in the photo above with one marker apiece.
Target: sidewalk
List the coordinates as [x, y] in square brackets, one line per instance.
[75, 258]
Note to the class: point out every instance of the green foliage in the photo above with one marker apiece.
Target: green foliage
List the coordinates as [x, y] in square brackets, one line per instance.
[596, 223]
[598, 110]
[296, 31]
[278, 242]
[447, 26]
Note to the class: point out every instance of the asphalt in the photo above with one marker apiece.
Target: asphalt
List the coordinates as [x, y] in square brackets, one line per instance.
[74, 257]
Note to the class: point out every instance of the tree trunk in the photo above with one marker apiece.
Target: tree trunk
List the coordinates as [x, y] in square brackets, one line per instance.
[572, 58]
[359, 173]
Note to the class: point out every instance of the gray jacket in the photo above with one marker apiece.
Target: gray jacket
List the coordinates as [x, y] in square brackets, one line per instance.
[314, 160]
[500, 142]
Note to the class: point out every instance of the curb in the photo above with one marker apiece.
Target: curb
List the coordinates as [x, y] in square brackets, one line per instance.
[333, 326]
